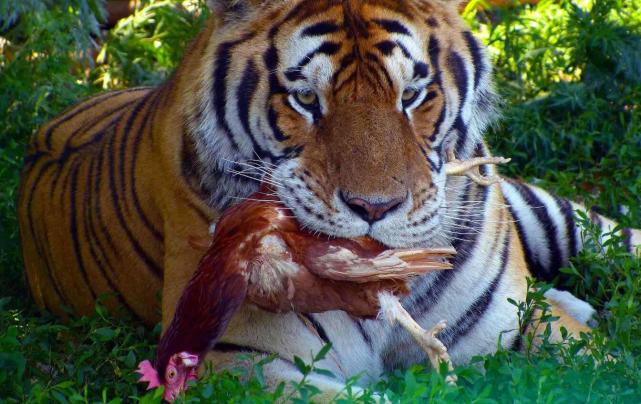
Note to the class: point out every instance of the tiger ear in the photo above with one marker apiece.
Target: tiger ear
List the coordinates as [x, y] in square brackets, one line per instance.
[230, 10]
[457, 4]
[461, 4]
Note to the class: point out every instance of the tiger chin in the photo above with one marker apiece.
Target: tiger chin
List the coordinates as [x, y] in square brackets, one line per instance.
[348, 109]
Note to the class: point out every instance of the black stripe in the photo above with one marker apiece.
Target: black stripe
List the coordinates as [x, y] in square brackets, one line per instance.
[481, 151]
[441, 117]
[403, 49]
[595, 218]
[245, 95]
[66, 179]
[348, 79]
[31, 159]
[271, 61]
[326, 48]
[373, 74]
[380, 69]
[462, 132]
[392, 26]
[432, 164]
[432, 22]
[125, 138]
[93, 125]
[627, 240]
[318, 327]
[219, 89]
[299, 11]
[270, 58]
[540, 211]
[420, 70]
[320, 28]
[94, 242]
[73, 193]
[452, 335]
[535, 267]
[343, 64]
[570, 225]
[477, 59]
[291, 152]
[98, 207]
[156, 233]
[464, 246]
[363, 332]
[438, 149]
[73, 112]
[517, 343]
[39, 243]
[386, 47]
[473, 216]
[272, 118]
[115, 199]
[434, 51]
[431, 94]
[295, 73]
[457, 66]
[227, 347]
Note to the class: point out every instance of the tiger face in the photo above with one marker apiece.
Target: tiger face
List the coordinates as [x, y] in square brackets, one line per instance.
[347, 108]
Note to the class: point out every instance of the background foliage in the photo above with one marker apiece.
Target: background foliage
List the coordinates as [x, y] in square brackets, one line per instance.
[570, 75]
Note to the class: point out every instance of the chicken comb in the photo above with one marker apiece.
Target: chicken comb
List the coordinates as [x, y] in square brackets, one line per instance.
[148, 374]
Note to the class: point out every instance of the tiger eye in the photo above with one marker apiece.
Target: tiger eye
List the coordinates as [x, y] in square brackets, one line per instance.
[307, 98]
[408, 94]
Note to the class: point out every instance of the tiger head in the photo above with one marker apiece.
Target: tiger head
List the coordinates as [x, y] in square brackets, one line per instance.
[347, 107]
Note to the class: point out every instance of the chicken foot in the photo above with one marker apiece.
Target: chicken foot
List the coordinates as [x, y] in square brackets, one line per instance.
[394, 312]
[470, 168]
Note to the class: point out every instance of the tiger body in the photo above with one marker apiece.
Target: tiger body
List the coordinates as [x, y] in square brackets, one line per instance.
[350, 107]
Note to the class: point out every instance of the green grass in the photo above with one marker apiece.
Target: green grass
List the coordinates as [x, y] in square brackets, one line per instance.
[571, 79]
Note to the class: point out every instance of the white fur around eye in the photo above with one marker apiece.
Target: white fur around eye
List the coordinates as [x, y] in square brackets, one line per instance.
[422, 92]
[300, 109]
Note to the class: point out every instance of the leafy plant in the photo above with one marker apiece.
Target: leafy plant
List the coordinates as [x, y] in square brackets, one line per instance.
[144, 48]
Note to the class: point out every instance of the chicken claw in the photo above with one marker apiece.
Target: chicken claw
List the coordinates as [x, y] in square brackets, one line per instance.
[470, 168]
[393, 311]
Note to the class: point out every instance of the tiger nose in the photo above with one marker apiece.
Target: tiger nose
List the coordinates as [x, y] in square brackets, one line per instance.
[369, 210]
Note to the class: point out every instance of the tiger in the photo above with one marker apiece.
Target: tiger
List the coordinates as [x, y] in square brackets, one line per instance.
[350, 109]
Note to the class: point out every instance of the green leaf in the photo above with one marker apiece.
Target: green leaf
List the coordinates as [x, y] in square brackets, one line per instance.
[323, 352]
[105, 334]
[301, 366]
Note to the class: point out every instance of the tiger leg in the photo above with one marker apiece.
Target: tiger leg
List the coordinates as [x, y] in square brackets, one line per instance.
[579, 309]
[566, 321]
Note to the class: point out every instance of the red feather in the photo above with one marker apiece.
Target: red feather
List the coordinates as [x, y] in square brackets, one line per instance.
[310, 274]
